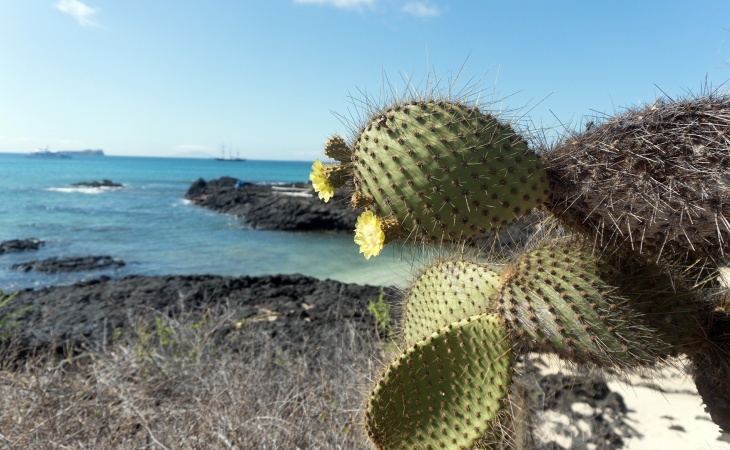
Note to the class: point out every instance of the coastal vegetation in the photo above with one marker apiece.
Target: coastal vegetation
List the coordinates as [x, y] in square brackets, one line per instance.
[172, 385]
[623, 274]
[8, 320]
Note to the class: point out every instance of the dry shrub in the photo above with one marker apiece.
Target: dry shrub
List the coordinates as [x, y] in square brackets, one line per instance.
[191, 383]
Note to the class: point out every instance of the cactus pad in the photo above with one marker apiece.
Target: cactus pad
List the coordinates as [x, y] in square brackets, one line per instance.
[562, 298]
[446, 292]
[445, 171]
[446, 391]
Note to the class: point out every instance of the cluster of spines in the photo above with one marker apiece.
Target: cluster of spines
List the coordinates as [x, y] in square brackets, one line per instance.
[337, 149]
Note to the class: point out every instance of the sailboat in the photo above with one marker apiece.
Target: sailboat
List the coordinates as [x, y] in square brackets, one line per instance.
[230, 157]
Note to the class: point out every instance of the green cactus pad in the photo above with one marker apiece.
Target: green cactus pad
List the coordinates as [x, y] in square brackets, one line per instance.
[445, 171]
[446, 391]
[446, 292]
[562, 298]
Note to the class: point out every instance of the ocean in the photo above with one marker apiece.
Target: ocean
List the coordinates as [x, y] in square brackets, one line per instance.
[150, 226]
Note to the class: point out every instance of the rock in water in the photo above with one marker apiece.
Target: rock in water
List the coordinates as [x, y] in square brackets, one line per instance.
[20, 245]
[80, 264]
[98, 184]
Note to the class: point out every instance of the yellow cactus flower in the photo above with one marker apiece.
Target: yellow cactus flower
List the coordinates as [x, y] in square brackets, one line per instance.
[320, 183]
[369, 234]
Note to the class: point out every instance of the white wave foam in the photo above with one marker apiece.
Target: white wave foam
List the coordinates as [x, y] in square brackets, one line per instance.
[278, 183]
[84, 189]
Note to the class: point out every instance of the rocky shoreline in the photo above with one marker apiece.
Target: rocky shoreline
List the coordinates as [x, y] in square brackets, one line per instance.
[285, 207]
[299, 315]
[300, 310]
[72, 264]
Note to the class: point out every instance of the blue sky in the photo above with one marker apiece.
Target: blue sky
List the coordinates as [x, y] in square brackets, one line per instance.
[172, 78]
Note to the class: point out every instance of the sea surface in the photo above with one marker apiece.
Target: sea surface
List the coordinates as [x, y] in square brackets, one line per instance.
[150, 226]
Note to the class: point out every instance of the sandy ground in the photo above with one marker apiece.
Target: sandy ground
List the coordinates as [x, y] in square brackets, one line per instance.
[663, 412]
[667, 413]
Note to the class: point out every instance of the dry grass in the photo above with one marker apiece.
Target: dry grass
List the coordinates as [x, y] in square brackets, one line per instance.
[191, 384]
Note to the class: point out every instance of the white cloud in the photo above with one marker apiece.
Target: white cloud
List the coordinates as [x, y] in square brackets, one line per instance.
[415, 8]
[352, 4]
[421, 9]
[80, 11]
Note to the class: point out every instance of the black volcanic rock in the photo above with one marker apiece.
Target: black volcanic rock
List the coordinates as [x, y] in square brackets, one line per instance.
[291, 207]
[97, 184]
[79, 264]
[20, 245]
[301, 311]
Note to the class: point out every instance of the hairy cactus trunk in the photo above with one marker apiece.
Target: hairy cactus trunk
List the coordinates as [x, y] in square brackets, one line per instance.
[654, 180]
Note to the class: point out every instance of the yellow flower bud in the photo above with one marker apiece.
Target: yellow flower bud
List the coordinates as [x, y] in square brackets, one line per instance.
[320, 183]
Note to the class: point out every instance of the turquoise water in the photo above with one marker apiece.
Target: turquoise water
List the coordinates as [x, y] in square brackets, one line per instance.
[149, 225]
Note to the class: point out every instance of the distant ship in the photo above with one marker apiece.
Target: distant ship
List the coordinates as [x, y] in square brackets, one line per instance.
[230, 157]
[45, 153]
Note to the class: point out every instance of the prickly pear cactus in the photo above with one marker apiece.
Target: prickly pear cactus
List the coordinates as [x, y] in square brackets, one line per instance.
[447, 391]
[562, 298]
[555, 298]
[445, 170]
[621, 283]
